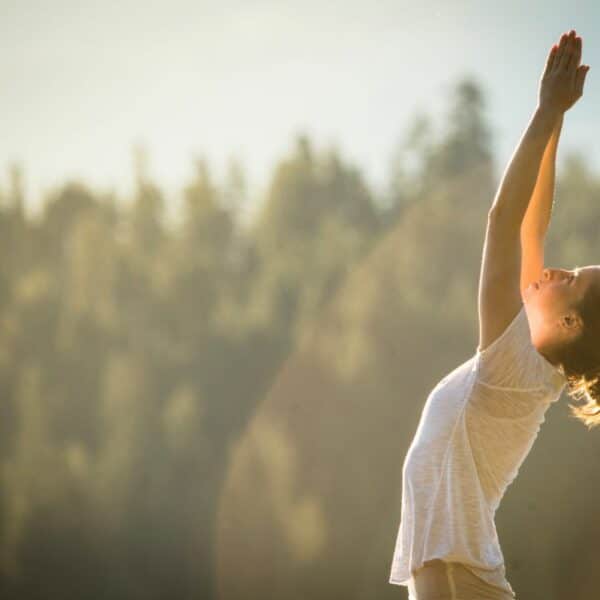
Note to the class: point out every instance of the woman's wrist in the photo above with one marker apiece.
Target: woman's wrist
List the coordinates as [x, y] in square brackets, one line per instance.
[549, 114]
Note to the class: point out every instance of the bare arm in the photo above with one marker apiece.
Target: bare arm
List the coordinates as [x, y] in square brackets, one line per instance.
[518, 181]
[499, 297]
[539, 210]
[499, 287]
[537, 218]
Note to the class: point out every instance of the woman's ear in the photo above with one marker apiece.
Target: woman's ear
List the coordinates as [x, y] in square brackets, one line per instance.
[571, 321]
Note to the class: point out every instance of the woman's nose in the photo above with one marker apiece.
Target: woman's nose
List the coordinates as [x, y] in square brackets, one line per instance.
[552, 273]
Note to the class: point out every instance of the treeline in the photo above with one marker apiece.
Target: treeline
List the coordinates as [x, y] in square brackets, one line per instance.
[147, 372]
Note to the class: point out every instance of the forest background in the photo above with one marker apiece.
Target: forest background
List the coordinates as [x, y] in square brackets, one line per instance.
[219, 407]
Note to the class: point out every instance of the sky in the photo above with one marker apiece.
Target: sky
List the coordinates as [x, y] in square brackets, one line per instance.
[84, 82]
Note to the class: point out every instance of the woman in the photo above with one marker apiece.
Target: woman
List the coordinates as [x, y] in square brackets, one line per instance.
[537, 334]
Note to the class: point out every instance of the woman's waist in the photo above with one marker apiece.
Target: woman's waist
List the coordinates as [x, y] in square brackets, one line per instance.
[494, 577]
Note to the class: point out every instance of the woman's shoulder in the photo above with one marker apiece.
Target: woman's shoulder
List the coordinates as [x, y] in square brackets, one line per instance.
[512, 361]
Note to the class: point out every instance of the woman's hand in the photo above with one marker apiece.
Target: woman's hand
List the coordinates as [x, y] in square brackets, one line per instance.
[562, 82]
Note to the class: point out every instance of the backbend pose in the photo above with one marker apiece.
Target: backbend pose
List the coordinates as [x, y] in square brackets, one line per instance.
[538, 332]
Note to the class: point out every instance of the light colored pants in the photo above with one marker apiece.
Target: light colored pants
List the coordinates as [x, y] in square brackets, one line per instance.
[439, 580]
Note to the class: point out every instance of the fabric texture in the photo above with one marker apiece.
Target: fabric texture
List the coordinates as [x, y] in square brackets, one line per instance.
[477, 426]
[439, 580]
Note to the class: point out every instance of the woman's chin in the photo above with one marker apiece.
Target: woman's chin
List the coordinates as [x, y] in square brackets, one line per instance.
[529, 291]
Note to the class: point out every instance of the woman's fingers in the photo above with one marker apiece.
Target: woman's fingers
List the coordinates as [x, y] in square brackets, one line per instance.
[578, 47]
[580, 78]
[550, 60]
[573, 54]
[567, 55]
[564, 75]
[561, 50]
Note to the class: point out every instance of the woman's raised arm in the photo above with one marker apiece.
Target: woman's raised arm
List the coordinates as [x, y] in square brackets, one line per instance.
[560, 87]
[537, 218]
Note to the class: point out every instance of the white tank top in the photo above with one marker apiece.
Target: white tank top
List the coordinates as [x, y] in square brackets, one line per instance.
[477, 427]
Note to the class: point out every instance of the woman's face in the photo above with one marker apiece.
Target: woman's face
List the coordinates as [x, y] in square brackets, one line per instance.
[552, 304]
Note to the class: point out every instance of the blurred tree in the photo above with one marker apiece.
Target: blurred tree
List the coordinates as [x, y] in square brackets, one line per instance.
[572, 238]
[467, 140]
[408, 162]
[13, 234]
[147, 216]
[424, 163]
[318, 218]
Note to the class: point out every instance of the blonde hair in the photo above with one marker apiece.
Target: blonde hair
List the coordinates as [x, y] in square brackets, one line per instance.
[585, 390]
[580, 362]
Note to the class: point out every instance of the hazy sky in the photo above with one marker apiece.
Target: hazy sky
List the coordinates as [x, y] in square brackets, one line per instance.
[83, 81]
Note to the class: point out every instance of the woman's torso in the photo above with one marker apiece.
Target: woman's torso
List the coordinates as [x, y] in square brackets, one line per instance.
[477, 426]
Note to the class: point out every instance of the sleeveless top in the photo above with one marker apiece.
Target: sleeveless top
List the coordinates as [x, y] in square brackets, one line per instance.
[477, 426]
